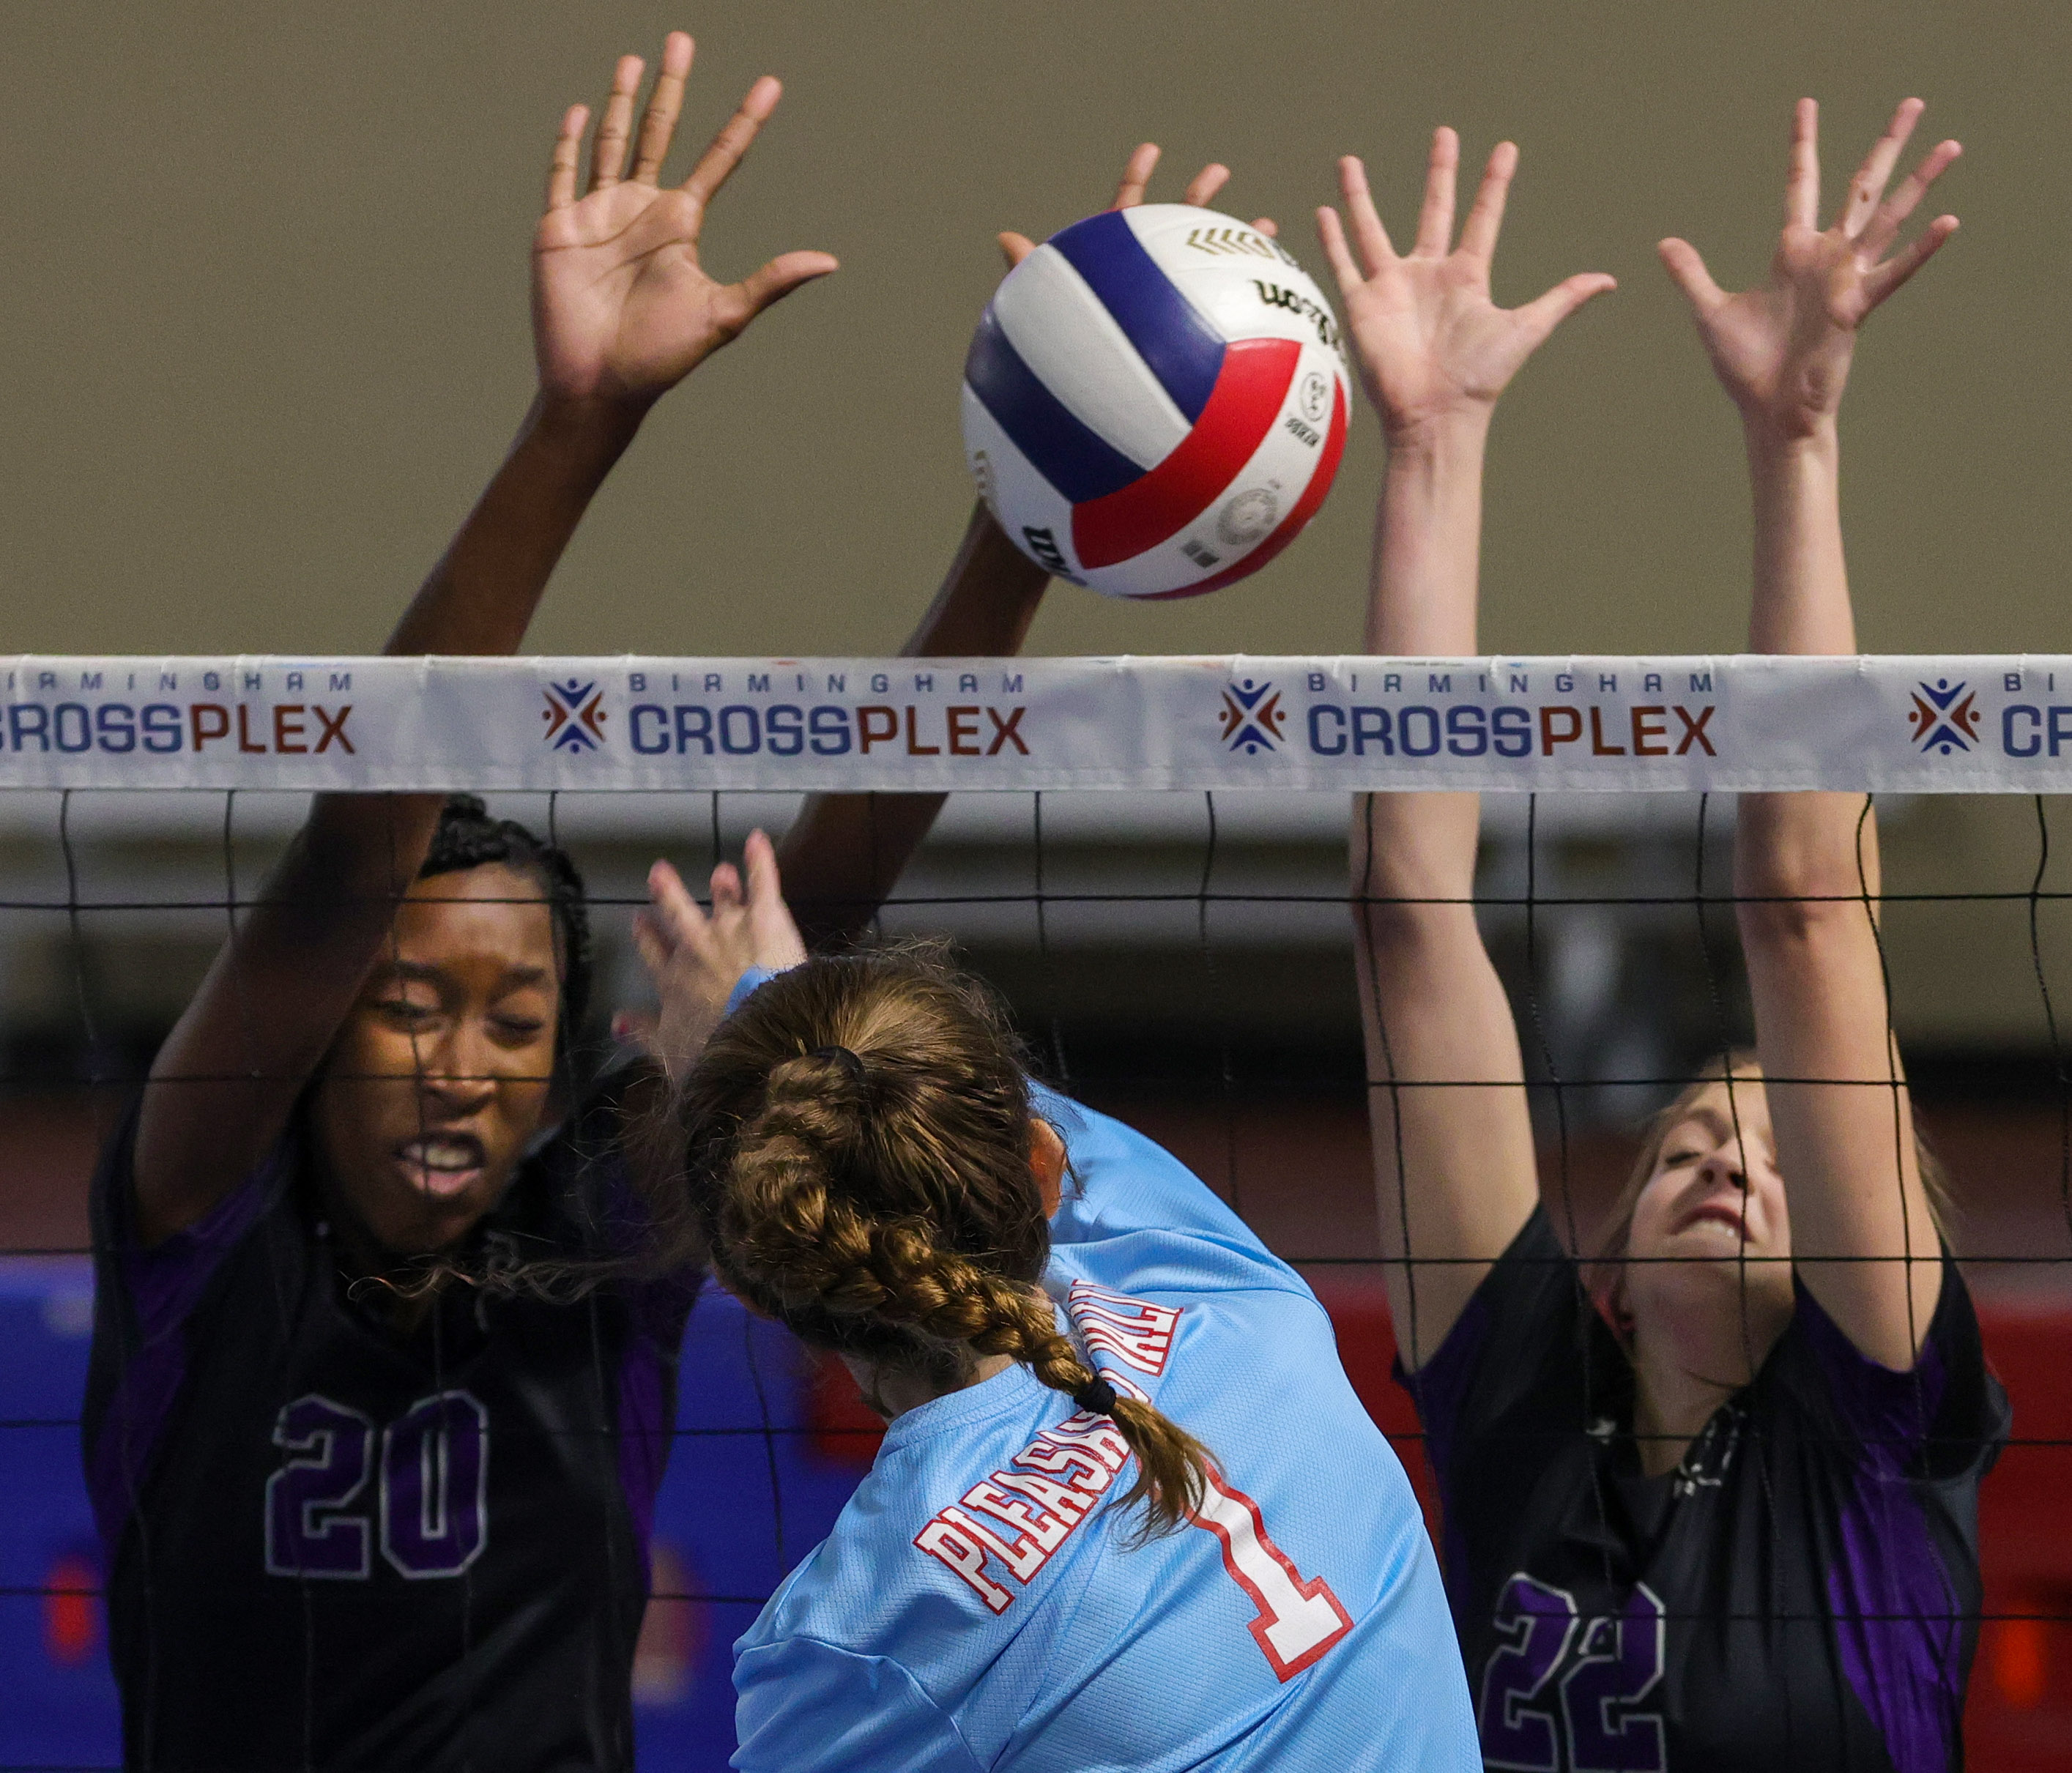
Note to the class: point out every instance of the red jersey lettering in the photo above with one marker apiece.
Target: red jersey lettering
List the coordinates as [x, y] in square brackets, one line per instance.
[1037, 1513]
[1068, 1503]
[958, 1551]
[1136, 1332]
[1023, 1557]
[1047, 1531]
[1297, 1621]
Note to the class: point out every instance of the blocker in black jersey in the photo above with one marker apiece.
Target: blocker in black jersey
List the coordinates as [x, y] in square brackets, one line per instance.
[332, 1546]
[1802, 1592]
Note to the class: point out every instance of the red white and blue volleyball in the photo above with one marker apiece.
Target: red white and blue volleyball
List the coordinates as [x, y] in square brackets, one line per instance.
[1155, 403]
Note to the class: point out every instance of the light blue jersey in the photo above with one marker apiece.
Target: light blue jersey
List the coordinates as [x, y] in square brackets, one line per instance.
[979, 1604]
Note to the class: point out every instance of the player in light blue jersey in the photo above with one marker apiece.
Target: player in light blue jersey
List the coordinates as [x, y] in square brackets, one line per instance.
[1129, 1512]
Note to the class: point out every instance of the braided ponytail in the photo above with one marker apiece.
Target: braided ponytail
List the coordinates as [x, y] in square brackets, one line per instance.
[1170, 1463]
[859, 1167]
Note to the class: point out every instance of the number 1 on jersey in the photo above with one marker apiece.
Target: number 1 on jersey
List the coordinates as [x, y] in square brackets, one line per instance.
[1297, 1621]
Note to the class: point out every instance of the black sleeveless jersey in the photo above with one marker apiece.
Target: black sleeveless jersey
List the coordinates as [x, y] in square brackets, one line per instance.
[332, 1546]
[1803, 1592]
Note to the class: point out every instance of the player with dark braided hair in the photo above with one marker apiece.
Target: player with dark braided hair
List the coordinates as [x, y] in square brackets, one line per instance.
[867, 1160]
[354, 1513]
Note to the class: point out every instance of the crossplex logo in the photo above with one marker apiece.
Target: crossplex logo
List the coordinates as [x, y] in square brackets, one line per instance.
[575, 715]
[1252, 717]
[1944, 718]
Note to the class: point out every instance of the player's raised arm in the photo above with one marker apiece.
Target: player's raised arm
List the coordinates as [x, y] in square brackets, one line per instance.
[1454, 1165]
[1806, 865]
[622, 311]
[845, 852]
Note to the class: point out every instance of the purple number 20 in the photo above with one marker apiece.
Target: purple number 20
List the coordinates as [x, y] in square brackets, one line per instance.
[434, 1512]
[1526, 1716]
[434, 1486]
[330, 1448]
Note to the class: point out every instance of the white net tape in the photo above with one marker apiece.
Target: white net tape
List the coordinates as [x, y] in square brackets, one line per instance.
[1976, 724]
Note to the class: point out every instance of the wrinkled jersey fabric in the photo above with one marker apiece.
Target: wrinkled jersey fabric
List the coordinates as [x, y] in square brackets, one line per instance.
[1803, 1591]
[332, 1546]
[980, 1603]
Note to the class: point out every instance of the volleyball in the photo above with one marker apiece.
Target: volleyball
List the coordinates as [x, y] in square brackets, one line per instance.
[1154, 402]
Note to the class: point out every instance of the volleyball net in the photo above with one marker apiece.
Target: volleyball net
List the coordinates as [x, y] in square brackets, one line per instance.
[1147, 857]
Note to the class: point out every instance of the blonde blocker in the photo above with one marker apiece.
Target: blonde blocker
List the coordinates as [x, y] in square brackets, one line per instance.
[857, 1165]
[1603, 1266]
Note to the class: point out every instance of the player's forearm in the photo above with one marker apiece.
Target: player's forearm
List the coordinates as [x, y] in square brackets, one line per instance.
[1428, 541]
[1804, 847]
[987, 601]
[1424, 975]
[1427, 559]
[223, 1084]
[1801, 583]
[845, 852]
[480, 597]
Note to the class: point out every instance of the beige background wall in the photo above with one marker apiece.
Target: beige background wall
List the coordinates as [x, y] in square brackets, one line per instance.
[263, 305]
[263, 324]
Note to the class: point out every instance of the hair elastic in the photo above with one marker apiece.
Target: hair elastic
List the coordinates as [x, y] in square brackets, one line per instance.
[843, 1057]
[1096, 1397]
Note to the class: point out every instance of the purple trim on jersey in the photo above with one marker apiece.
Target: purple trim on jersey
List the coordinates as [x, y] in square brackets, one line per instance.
[1900, 1642]
[163, 1283]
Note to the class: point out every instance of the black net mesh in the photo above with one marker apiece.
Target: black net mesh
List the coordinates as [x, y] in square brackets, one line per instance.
[1181, 960]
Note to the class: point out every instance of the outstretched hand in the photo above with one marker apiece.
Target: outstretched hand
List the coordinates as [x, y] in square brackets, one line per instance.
[1135, 179]
[696, 960]
[622, 309]
[1782, 352]
[1430, 341]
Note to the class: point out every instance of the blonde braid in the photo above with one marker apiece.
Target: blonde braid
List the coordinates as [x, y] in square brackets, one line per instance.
[954, 1301]
[860, 1167]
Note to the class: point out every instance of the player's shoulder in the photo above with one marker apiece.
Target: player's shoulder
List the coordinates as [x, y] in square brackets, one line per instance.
[1092, 1138]
[1944, 1418]
[151, 1289]
[966, 1517]
[1137, 1217]
[1530, 1297]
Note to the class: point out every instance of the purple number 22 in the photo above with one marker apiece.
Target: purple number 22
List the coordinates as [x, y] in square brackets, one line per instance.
[1606, 1665]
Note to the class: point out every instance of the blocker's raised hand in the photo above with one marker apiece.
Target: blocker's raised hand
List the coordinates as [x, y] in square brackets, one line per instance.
[622, 309]
[1782, 352]
[1430, 341]
[1135, 179]
[696, 960]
